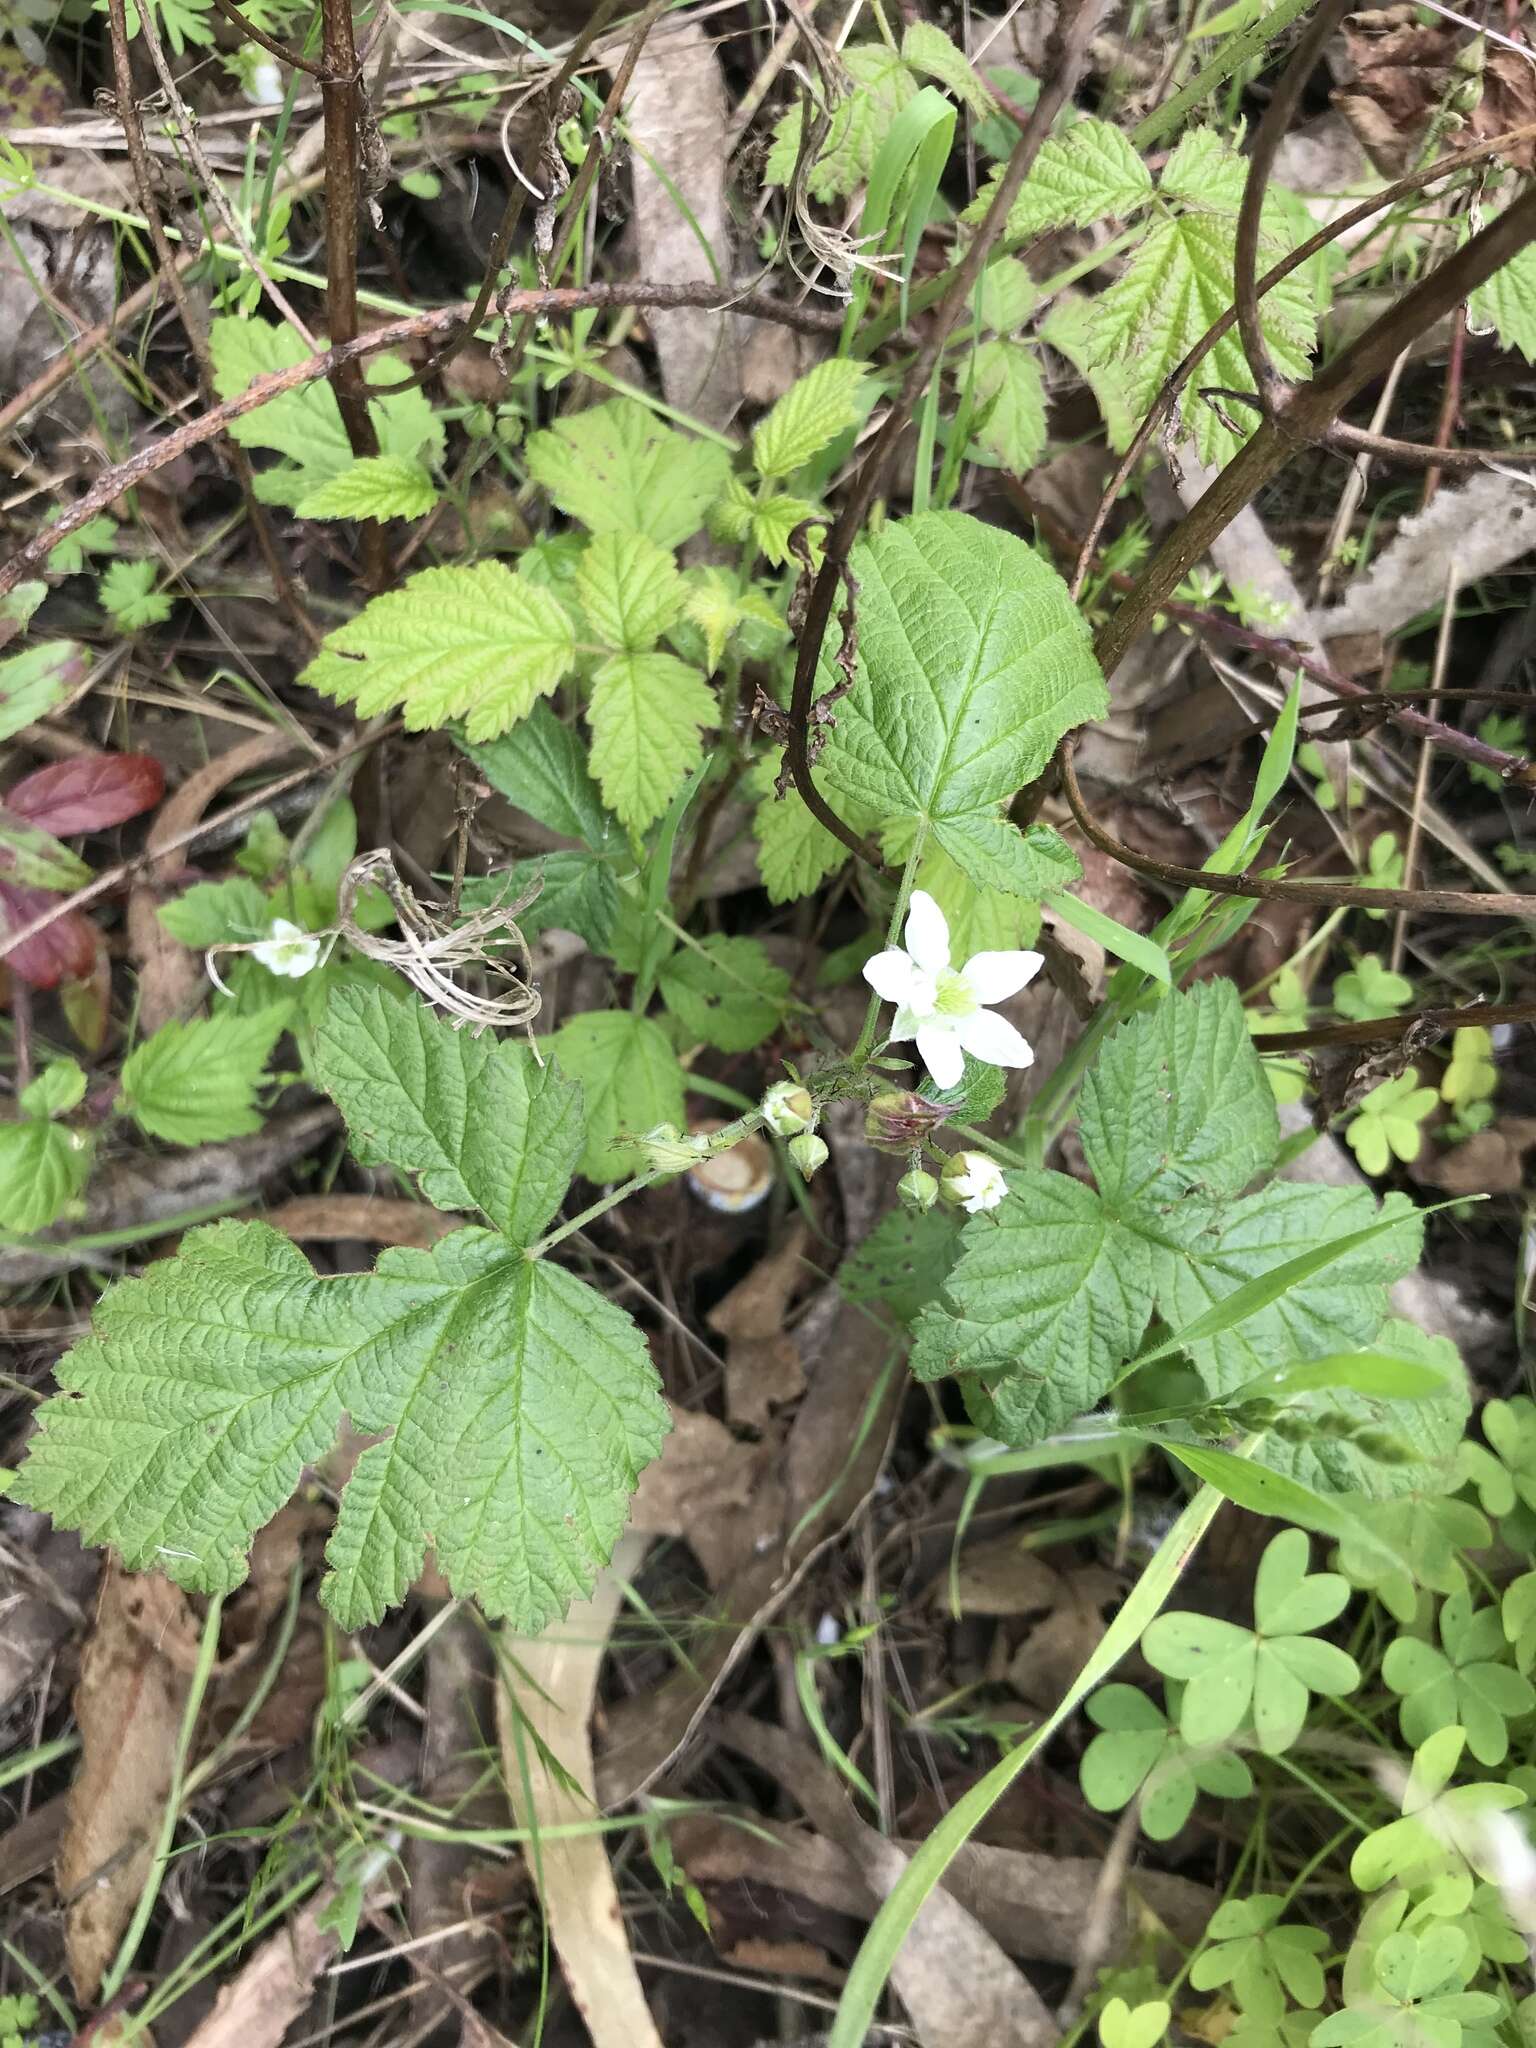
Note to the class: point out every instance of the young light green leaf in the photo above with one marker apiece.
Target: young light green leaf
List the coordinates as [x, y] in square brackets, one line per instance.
[773, 522]
[42, 1168]
[630, 590]
[879, 86]
[1008, 389]
[36, 682]
[617, 469]
[129, 596]
[195, 1083]
[730, 994]
[216, 913]
[375, 487]
[474, 642]
[477, 1121]
[927, 50]
[517, 1409]
[1507, 304]
[35, 859]
[1087, 174]
[631, 1082]
[813, 412]
[56, 1091]
[795, 851]
[718, 608]
[1068, 328]
[647, 712]
[541, 766]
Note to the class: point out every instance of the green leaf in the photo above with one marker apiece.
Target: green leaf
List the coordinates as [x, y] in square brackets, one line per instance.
[304, 425]
[994, 854]
[718, 608]
[128, 594]
[1116, 938]
[616, 469]
[1068, 328]
[195, 1083]
[374, 487]
[42, 1168]
[972, 664]
[1507, 303]
[541, 766]
[731, 995]
[35, 859]
[647, 712]
[1177, 1104]
[1087, 174]
[56, 1091]
[903, 1263]
[517, 1409]
[36, 682]
[1386, 1123]
[477, 1121]
[580, 894]
[772, 525]
[795, 851]
[1008, 390]
[630, 590]
[812, 413]
[631, 1082]
[926, 49]
[214, 913]
[880, 85]
[478, 643]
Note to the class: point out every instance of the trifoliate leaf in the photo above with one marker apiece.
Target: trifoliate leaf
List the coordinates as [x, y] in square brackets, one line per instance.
[1387, 1123]
[972, 663]
[879, 86]
[128, 594]
[617, 469]
[1472, 1075]
[795, 852]
[1087, 174]
[305, 424]
[376, 487]
[927, 50]
[630, 590]
[541, 766]
[631, 1082]
[1507, 303]
[208, 914]
[517, 1409]
[811, 414]
[195, 1083]
[477, 1121]
[478, 643]
[1011, 398]
[42, 1168]
[731, 995]
[646, 713]
[1176, 1103]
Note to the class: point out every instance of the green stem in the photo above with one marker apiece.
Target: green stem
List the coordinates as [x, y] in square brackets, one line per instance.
[860, 1055]
[720, 1141]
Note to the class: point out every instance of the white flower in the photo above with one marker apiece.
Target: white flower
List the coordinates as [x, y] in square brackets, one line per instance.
[973, 1182]
[290, 950]
[942, 1006]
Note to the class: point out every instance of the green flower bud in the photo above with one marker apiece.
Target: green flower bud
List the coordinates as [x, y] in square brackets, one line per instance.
[898, 1119]
[1384, 1446]
[787, 1108]
[808, 1152]
[668, 1150]
[917, 1190]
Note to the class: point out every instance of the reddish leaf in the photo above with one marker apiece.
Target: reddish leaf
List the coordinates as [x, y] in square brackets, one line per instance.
[64, 951]
[89, 793]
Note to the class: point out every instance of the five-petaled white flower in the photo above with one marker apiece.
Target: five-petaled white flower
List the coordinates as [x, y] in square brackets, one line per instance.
[290, 950]
[942, 1006]
[973, 1182]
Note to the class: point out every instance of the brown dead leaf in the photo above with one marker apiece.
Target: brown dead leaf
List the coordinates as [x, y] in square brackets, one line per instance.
[364, 1219]
[128, 1709]
[784, 1959]
[1491, 1163]
[258, 2007]
[762, 1361]
[543, 1708]
[1057, 1648]
[1001, 1577]
[712, 1490]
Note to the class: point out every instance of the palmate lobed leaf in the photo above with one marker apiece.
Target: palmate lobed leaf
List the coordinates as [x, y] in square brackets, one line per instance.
[617, 469]
[519, 1408]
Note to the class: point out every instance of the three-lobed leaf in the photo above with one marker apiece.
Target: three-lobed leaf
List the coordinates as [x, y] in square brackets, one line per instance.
[195, 1083]
[617, 469]
[632, 1082]
[812, 413]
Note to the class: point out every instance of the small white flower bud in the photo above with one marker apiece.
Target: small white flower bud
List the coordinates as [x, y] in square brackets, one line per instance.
[788, 1109]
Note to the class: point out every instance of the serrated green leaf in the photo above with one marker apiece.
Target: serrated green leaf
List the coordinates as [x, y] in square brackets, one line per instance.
[731, 995]
[718, 608]
[903, 1263]
[1205, 171]
[128, 594]
[36, 682]
[773, 523]
[1007, 384]
[1068, 328]
[42, 1168]
[56, 1091]
[478, 643]
[1008, 295]
[195, 1083]
[580, 894]
[617, 469]
[811, 414]
[1087, 174]
[975, 1095]
[374, 487]
[994, 854]
[631, 1082]
[477, 1121]
[541, 766]
[1177, 1103]
[972, 663]
[1507, 304]
[795, 852]
[880, 85]
[304, 425]
[216, 913]
[927, 50]
[630, 590]
[647, 712]
[517, 1409]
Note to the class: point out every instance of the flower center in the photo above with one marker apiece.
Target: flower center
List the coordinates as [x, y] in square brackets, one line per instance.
[952, 995]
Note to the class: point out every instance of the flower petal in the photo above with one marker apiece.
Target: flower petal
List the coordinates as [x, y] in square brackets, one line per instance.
[941, 1055]
[890, 975]
[993, 977]
[927, 934]
[986, 1036]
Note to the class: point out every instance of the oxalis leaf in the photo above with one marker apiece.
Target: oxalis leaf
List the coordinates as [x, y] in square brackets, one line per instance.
[516, 1406]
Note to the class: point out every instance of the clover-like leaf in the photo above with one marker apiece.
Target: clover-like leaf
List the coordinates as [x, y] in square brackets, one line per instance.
[1265, 1960]
[1465, 1680]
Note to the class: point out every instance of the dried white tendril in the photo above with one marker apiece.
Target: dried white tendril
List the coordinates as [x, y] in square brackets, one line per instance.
[429, 948]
